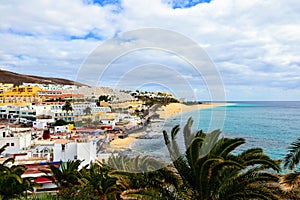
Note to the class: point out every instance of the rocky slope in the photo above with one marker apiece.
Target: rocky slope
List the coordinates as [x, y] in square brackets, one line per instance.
[19, 79]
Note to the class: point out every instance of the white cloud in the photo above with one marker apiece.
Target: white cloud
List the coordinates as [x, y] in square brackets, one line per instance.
[253, 43]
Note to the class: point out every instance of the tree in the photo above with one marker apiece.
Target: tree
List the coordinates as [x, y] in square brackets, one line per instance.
[12, 185]
[292, 158]
[89, 121]
[87, 110]
[144, 177]
[210, 170]
[67, 174]
[291, 181]
[67, 106]
[99, 178]
[105, 98]
[60, 122]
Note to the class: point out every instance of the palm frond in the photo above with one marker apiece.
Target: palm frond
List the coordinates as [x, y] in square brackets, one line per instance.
[187, 133]
[211, 139]
[290, 181]
[291, 160]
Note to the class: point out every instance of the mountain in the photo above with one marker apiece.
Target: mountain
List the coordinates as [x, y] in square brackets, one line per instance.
[19, 79]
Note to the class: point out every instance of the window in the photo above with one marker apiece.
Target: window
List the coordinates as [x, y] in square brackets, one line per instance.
[7, 144]
[4, 134]
[12, 144]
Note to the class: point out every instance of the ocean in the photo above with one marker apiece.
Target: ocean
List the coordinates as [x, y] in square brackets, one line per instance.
[271, 126]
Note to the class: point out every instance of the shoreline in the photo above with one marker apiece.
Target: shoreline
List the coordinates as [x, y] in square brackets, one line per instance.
[123, 144]
[164, 112]
[173, 109]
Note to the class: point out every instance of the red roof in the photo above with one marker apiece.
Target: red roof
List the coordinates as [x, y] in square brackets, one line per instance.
[32, 169]
[42, 180]
[63, 95]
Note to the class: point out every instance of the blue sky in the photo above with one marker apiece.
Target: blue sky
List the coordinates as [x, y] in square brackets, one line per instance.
[254, 45]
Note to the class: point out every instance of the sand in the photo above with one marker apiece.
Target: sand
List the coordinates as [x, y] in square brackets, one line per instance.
[164, 112]
[119, 144]
[177, 108]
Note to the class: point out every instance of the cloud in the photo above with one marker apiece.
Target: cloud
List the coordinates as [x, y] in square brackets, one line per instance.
[254, 44]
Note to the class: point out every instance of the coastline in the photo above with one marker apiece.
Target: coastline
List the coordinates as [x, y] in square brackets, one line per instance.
[172, 109]
[164, 112]
[123, 144]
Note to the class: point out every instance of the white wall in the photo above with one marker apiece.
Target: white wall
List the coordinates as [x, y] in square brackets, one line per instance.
[108, 122]
[61, 129]
[39, 124]
[86, 152]
[25, 139]
[82, 151]
[68, 154]
[16, 143]
[10, 140]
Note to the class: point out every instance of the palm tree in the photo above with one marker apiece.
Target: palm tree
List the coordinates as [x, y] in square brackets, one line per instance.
[87, 110]
[144, 178]
[291, 181]
[67, 174]
[67, 106]
[89, 121]
[99, 178]
[210, 170]
[11, 183]
[292, 159]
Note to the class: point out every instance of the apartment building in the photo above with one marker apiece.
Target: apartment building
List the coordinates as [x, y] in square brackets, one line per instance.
[79, 109]
[16, 140]
[5, 86]
[20, 95]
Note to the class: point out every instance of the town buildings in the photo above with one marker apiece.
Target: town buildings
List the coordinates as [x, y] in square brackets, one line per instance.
[20, 95]
[29, 126]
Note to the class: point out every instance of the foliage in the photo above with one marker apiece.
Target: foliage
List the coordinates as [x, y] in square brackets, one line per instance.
[292, 159]
[210, 170]
[87, 110]
[60, 122]
[12, 185]
[67, 106]
[162, 100]
[105, 98]
[67, 174]
[82, 192]
[144, 177]
[89, 182]
[97, 176]
[291, 181]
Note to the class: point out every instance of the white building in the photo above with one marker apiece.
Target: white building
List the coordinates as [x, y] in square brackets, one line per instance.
[54, 112]
[14, 112]
[62, 129]
[81, 149]
[42, 123]
[78, 108]
[109, 122]
[54, 87]
[15, 141]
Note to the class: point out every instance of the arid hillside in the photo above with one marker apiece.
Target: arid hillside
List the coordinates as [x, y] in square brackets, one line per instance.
[18, 79]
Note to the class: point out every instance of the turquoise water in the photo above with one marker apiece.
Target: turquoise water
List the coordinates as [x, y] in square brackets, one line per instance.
[269, 125]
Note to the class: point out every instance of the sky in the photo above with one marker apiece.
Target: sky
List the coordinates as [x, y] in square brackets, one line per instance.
[252, 46]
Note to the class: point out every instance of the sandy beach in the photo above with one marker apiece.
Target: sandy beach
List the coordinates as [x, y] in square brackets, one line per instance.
[122, 144]
[177, 108]
[164, 112]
